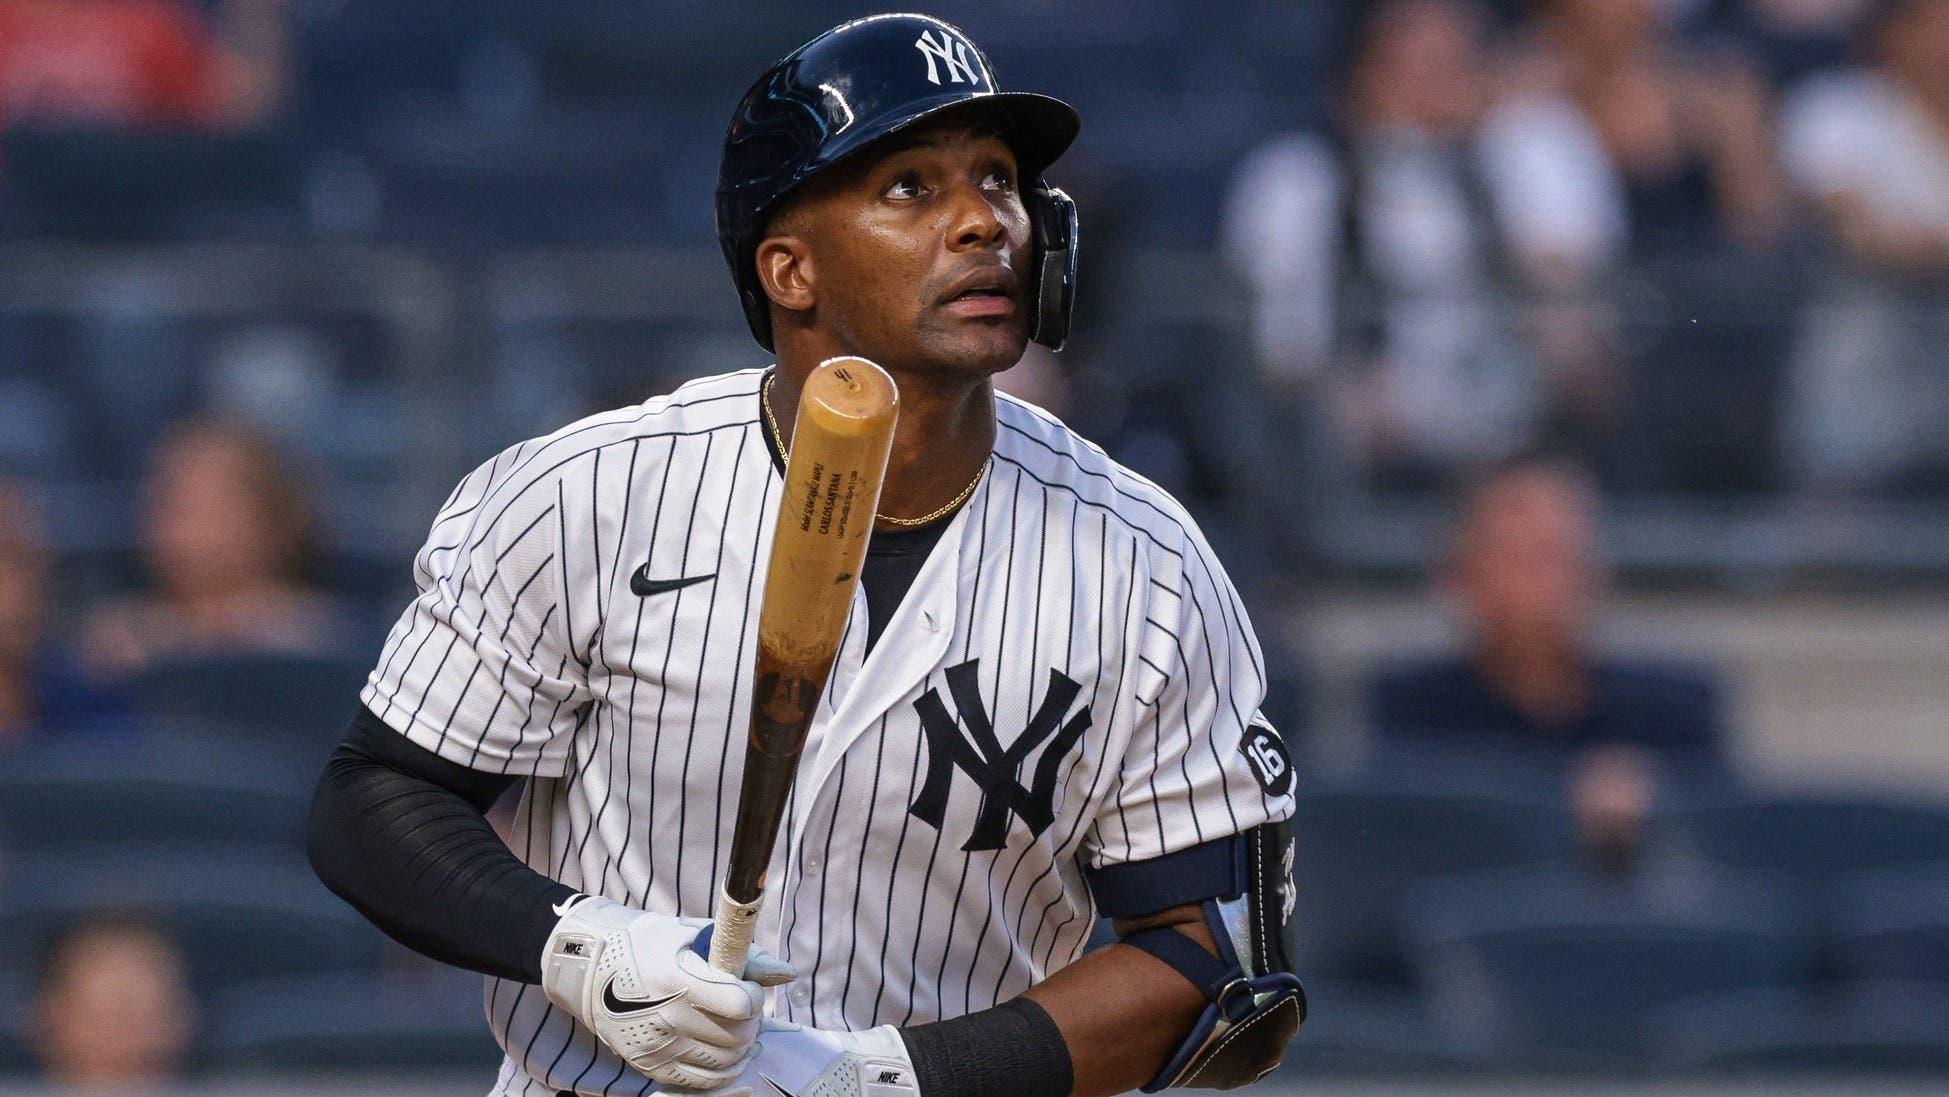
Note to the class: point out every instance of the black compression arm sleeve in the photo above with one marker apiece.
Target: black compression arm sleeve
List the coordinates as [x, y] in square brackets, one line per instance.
[398, 832]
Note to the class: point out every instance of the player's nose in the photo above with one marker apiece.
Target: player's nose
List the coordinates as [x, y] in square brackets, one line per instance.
[975, 222]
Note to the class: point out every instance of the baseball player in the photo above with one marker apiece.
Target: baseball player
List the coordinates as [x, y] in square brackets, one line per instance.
[1044, 708]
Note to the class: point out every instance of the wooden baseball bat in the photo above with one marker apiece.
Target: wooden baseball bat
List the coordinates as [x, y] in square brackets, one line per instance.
[838, 461]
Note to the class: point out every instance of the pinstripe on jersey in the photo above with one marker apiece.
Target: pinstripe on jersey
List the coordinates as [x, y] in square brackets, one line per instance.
[1071, 611]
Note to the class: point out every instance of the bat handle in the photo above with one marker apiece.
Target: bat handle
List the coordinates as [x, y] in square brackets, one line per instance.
[731, 933]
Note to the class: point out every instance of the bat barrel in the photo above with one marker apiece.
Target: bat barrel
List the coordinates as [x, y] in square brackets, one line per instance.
[841, 437]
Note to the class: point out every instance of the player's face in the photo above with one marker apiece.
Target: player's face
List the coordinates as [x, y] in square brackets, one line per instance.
[922, 254]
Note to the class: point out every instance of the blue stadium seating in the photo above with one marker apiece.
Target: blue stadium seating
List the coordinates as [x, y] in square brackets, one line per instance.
[301, 700]
[1879, 1029]
[1895, 1024]
[239, 912]
[360, 58]
[353, 1024]
[1362, 845]
[569, 175]
[1553, 970]
[1894, 924]
[152, 787]
[150, 185]
[1361, 1028]
[1810, 839]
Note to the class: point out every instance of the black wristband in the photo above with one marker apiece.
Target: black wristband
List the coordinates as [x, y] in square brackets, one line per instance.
[1012, 1050]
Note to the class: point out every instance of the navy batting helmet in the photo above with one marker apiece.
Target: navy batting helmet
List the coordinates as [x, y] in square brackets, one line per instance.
[857, 83]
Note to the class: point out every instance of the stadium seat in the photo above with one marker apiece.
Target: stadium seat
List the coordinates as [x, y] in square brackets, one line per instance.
[142, 185]
[1812, 841]
[1878, 1029]
[565, 176]
[1362, 846]
[306, 698]
[239, 912]
[142, 787]
[1894, 924]
[1544, 968]
[347, 1023]
[362, 57]
[1363, 1028]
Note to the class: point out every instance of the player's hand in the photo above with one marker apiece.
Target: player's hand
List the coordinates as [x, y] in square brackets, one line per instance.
[633, 979]
[813, 1062]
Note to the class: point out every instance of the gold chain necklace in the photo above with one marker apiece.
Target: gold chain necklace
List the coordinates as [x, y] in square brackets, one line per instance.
[778, 439]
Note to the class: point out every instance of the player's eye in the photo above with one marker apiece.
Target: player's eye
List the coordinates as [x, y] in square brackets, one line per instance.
[904, 189]
[999, 179]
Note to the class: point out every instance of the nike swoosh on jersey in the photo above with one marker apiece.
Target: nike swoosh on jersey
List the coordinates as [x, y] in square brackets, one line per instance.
[562, 908]
[625, 1006]
[778, 1089]
[643, 586]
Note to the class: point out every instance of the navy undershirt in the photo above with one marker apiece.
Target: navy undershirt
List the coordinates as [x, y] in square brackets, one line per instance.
[893, 560]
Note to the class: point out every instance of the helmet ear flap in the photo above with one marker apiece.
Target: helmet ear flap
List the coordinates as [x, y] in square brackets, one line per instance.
[1052, 262]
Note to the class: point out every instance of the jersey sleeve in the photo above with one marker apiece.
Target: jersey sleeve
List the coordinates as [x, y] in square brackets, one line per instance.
[479, 669]
[1202, 764]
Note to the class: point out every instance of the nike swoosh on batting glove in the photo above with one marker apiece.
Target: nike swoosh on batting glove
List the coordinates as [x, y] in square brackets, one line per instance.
[632, 978]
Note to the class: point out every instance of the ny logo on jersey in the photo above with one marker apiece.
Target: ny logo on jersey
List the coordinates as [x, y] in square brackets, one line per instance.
[951, 51]
[995, 769]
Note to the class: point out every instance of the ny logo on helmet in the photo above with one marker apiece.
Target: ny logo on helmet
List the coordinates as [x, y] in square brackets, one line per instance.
[950, 50]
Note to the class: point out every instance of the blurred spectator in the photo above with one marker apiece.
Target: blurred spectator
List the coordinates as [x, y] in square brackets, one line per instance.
[1685, 131]
[40, 690]
[227, 541]
[1870, 147]
[113, 1011]
[1529, 690]
[1400, 247]
[114, 63]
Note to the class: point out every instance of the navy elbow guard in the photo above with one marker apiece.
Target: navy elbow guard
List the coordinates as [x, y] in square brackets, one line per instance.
[1254, 1003]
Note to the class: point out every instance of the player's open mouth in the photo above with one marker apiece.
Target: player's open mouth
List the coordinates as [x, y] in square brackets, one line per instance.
[988, 291]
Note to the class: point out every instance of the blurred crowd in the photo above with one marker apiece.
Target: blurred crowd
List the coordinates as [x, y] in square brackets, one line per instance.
[225, 537]
[1524, 257]
[128, 63]
[1446, 267]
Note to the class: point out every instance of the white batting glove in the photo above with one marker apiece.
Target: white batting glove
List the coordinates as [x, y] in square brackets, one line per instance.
[633, 978]
[810, 1062]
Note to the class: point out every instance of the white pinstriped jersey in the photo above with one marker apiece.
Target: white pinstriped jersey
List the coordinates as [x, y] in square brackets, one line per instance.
[1068, 682]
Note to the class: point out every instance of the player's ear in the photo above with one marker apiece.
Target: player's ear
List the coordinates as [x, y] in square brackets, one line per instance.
[786, 270]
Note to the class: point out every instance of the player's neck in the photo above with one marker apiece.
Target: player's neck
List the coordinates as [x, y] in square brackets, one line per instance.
[942, 441]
